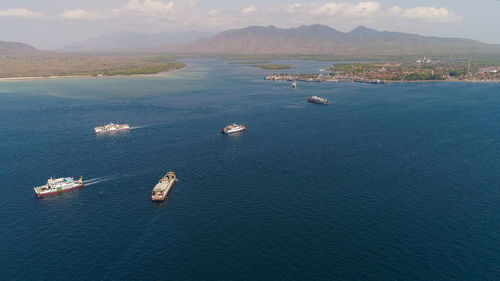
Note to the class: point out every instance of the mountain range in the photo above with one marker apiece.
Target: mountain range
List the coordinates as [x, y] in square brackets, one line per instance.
[361, 42]
[321, 39]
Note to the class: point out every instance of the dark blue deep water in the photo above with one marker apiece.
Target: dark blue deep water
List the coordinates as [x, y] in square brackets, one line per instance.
[389, 182]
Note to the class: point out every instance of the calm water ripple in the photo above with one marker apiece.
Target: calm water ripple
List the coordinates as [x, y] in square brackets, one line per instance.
[389, 182]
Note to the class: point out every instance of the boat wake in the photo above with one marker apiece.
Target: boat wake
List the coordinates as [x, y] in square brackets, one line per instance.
[140, 127]
[98, 180]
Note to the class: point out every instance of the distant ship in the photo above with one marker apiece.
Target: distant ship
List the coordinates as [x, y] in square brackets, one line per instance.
[315, 99]
[59, 185]
[163, 187]
[111, 127]
[294, 84]
[233, 128]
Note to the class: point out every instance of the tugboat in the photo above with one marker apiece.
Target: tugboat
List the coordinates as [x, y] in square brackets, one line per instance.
[318, 100]
[233, 128]
[111, 127]
[58, 185]
[163, 187]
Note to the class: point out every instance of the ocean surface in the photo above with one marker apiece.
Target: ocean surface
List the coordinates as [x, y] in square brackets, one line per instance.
[388, 182]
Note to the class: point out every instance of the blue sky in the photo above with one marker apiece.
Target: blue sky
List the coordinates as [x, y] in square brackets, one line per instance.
[56, 23]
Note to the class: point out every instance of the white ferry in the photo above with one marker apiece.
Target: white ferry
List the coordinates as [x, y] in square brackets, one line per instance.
[162, 188]
[111, 127]
[58, 185]
[233, 128]
[316, 99]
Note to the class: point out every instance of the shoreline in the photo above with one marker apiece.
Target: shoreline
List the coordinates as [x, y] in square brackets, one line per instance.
[22, 78]
[450, 81]
[28, 78]
[394, 82]
[383, 81]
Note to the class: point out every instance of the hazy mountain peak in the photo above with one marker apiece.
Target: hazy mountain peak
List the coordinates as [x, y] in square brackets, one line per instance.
[256, 28]
[363, 29]
[7, 48]
[317, 27]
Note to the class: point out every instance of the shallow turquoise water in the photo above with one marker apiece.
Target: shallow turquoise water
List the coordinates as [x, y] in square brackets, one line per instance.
[389, 182]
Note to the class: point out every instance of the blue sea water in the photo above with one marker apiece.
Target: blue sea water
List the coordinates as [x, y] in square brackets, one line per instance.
[388, 182]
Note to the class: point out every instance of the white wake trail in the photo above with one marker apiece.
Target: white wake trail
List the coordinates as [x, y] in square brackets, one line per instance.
[141, 127]
[95, 182]
[94, 179]
[99, 180]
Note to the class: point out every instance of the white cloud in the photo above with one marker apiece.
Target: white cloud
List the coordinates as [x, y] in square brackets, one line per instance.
[249, 10]
[295, 8]
[429, 14]
[133, 8]
[361, 9]
[191, 3]
[213, 13]
[370, 12]
[80, 14]
[394, 10]
[148, 7]
[20, 13]
[164, 14]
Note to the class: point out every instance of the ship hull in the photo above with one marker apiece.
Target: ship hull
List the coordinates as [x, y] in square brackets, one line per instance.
[162, 188]
[43, 194]
[111, 127]
[164, 197]
[316, 101]
[226, 132]
[165, 193]
[110, 131]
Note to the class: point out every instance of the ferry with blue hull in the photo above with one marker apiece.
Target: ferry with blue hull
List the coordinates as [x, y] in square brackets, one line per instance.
[59, 185]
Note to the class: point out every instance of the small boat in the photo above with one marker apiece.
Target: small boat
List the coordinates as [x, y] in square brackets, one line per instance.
[318, 100]
[111, 127]
[59, 185]
[233, 128]
[294, 84]
[162, 188]
[375, 81]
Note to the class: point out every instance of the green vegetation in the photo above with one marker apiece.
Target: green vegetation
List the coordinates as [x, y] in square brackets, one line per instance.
[146, 69]
[46, 64]
[418, 71]
[422, 70]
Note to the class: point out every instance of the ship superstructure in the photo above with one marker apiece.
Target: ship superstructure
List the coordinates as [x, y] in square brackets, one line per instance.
[58, 185]
[111, 127]
[233, 128]
[162, 188]
[318, 100]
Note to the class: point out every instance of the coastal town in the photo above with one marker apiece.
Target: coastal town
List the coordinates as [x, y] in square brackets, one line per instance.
[424, 69]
